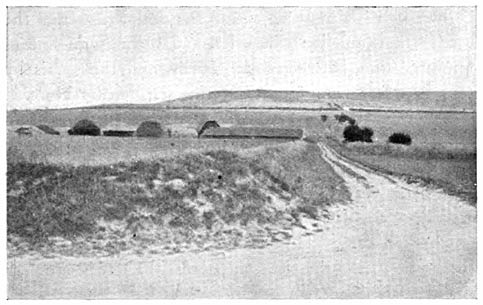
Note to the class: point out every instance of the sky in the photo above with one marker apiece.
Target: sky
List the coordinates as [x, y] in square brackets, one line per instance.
[69, 57]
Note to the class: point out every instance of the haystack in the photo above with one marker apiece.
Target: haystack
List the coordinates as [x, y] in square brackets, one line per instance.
[207, 125]
[85, 128]
[118, 129]
[150, 129]
[47, 129]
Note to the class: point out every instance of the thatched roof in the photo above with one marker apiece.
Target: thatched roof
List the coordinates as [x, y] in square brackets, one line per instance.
[47, 129]
[34, 130]
[28, 130]
[150, 129]
[253, 132]
[207, 125]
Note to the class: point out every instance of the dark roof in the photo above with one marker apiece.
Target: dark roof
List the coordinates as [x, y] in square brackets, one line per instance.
[207, 125]
[253, 132]
[48, 129]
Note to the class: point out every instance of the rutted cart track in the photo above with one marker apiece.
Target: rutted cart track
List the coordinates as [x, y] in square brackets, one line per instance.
[394, 241]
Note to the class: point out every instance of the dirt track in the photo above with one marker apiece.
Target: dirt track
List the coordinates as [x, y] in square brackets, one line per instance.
[394, 241]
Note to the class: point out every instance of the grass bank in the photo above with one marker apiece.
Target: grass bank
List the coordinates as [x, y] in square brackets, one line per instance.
[202, 200]
[448, 167]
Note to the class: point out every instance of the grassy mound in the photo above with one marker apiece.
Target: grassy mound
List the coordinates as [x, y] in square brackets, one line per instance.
[193, 199]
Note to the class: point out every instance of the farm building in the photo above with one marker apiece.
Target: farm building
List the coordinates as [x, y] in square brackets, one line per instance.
[207, 125]
[118, 129]
[47, 129]
[85, 128]
[244, 132]
[150, 129]
[33, 130]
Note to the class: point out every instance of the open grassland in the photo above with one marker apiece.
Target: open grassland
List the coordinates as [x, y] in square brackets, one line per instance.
[426, 129]
[86, 150]
[451, 168]
[442, 153]
[311, 100]
[197, 201]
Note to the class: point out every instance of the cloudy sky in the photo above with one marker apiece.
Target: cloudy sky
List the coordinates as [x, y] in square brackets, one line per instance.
[68, 57]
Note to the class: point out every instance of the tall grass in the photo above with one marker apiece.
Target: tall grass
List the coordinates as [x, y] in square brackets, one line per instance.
[50, 200]
[451, 168]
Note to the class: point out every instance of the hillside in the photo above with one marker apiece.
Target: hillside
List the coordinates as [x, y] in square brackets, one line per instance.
[442, 101]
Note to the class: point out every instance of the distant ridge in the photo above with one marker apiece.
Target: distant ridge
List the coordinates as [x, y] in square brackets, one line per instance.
[262, 99]
[256, 91]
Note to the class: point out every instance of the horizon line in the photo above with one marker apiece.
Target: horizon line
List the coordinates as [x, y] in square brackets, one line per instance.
[232, 91]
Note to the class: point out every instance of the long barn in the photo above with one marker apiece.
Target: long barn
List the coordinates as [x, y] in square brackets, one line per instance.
[253, 132]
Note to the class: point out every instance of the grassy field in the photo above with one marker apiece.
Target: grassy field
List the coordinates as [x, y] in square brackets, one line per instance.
[195, 201]
[426, 129]
[85, 150]
[442, 153]
[450, 168]
[444, 100]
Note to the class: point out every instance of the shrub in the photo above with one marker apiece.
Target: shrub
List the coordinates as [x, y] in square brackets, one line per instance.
[323, 118]
[354, 133]
[400, 138]
[367, 134]
[341, 118]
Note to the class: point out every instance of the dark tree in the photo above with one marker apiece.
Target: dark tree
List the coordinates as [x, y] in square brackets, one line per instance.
[400, 138]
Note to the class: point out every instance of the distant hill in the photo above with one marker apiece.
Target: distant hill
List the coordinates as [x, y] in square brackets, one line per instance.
[271, 99]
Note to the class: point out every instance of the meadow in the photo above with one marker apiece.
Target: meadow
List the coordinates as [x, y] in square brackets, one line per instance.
[442, 153]
[85, 150]
[426, 129]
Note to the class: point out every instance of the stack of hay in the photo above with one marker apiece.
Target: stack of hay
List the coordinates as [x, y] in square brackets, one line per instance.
[150, 129]
[85, 128]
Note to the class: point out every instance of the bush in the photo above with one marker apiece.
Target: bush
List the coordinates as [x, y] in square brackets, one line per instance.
[341, 118]
[400, 138]
[354, 133]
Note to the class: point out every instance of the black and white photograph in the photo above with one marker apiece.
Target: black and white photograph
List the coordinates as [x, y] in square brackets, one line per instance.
[240, 152]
